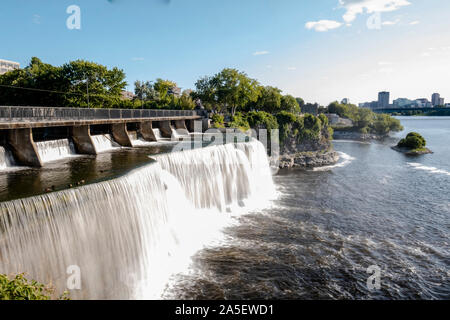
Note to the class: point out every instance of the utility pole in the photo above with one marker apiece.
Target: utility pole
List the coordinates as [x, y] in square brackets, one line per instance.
[87, 90]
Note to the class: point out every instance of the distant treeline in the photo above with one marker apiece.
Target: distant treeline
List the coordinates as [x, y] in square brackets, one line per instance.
[438, 112]
[365, 120]
[80, 84]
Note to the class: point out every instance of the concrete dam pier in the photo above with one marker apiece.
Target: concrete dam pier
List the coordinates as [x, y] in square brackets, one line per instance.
[22, 128]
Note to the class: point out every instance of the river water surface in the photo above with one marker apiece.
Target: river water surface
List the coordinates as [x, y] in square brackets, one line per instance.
[376, 207]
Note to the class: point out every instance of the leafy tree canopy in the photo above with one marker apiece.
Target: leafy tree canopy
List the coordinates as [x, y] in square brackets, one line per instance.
[413, 141]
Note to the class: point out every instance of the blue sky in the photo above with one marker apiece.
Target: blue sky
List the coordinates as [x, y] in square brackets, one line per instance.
[321, 50]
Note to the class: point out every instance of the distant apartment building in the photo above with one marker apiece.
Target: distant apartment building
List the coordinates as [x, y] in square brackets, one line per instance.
[403, 103]
[441, 101]
[435, 99]
[6, 66]
[364, 105]
[369, 105]
[383, 100]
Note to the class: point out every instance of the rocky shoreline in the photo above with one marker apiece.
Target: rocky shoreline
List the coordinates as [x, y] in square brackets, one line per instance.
[354, 135]
[310, 159]
[410, 152]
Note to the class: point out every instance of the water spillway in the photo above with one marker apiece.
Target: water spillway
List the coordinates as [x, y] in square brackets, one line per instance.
[137, 141]
[130, 234]
[158, 134]
[104, 142]
[55, 150]
[6, 159]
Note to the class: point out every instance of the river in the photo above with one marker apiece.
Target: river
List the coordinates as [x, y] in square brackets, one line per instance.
[194, 226]
[376, 207]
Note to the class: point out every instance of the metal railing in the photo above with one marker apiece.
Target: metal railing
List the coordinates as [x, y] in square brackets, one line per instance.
[46, 114]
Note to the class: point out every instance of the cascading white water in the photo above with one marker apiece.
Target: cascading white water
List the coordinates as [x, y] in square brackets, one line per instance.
[6, 159]
[130, 234]
[104, 142]
[179, 133]
[55, 150]
[222, 176]
[157, 133]
[137, 141]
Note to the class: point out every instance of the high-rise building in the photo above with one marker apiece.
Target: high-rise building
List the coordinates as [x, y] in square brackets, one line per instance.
[6, 66]
[435, 99]
[441, 101]
[383, 100]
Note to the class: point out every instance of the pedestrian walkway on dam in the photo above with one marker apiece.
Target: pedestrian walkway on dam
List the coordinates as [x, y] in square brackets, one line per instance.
[22, 127]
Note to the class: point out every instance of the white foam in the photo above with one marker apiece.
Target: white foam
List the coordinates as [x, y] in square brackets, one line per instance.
[344, 160]
[157, 133]
[419, 166]
[55, 150]
[104, 142]
[6, 160]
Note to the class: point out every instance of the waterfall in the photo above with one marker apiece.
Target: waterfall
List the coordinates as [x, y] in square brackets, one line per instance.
[6, 159]
[104, 142]
[55, 150]
[157, 133]
[130, 234]
[136, 141]
[179, 133]
[222, 176]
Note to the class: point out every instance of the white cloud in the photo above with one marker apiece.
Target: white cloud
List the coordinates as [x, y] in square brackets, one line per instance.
[384, 63]
[390, 23]
[292, 68]
[355, 7]
[323, 25]
[413, 23]
[260, 53]
[36, 19]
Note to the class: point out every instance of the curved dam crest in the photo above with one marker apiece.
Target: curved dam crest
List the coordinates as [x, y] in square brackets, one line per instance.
[129, 235]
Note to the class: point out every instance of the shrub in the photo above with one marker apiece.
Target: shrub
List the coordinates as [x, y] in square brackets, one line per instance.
[262, 120]
[218, 120]
[288, 124]
[323, 119]
[19, 288]
[239, 121]
[365, 120]
[412, 141]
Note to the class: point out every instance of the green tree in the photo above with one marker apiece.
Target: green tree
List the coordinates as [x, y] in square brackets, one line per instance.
[269, 99]
[93, 82]
[144, 91]
[413, 141]
[300, 102]
[262, 120]
[218, 120]
[45, 86]
[290, 104]
[234, 89]
[186, 102]
[207, 93]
